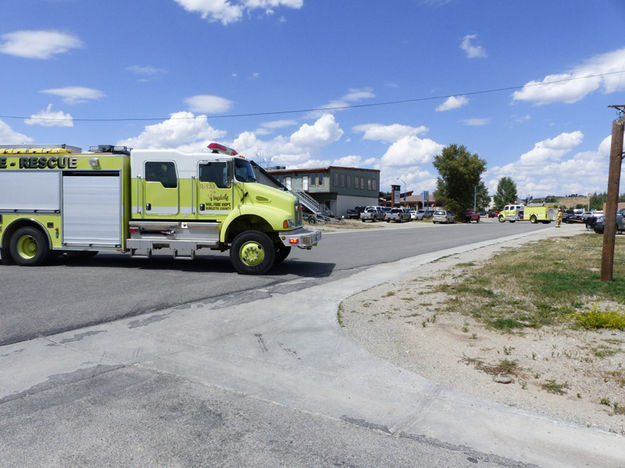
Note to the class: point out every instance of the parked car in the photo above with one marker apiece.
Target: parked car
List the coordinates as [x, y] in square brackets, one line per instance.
[599, 223]
[413, 214]
[397, 215]
[354, 213]
[427, 214]
[443, 216]
[372, 213]
[470, 215]
[492, 214]
[420, 214]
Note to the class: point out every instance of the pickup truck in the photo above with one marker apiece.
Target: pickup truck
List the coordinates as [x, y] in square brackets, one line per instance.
[398, 215]
[470, 215]
[372, 213]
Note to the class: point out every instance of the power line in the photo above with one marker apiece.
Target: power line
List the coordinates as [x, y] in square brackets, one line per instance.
[326, 108]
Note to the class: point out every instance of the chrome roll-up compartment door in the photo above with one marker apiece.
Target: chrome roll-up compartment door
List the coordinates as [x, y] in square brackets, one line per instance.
[92, 208]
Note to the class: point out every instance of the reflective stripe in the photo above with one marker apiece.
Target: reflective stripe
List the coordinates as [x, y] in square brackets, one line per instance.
[183, 210]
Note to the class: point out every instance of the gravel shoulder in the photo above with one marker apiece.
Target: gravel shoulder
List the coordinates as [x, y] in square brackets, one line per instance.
[576, 376]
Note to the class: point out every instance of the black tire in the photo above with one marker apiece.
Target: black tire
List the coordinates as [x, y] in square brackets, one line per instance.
[252, 253]
[533, 219]
[502, 219]
[29, 246]
[282, 252]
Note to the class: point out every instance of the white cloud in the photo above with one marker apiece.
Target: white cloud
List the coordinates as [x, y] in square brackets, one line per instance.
[266, 128]
[231, 11]
[205, 103]
[476, 122]
[453, 102]
[348, 161]
[552, 148]
[50, 118]
[574, 85]
[75, 94]
[546, 170]
[296, 150]
[410, 178]
[10, 137]
[146, 72]
[353, 95]
[411, 150]
[388, 133]
[472, 50]
[38, 44]
[323, 132]
[182, 130]
[278, 124]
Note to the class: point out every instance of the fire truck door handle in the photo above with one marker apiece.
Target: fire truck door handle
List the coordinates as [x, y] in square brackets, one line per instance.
[148, 206]
[202, 207]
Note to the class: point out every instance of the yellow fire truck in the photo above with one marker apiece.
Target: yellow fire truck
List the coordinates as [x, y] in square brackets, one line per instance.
[55, 199]
[534, 212]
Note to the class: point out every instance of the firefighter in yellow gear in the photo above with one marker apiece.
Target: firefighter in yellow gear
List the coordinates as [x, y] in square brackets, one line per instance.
[559, 218]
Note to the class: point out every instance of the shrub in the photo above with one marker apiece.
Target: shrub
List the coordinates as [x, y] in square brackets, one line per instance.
[596, 318]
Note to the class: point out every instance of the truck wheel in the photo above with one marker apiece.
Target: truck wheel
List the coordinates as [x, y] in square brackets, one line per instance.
[29, 246]
[533, 219]
[502, 219]
[252, 253]
[282, 252]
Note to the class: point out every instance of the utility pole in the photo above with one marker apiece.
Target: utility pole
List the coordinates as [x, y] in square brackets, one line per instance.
[475, 198]
[614, 177]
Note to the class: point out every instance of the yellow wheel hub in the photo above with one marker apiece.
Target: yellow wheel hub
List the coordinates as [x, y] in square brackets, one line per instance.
[252, 253]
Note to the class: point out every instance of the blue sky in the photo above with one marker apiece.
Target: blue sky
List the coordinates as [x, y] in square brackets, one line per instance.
[192, 71]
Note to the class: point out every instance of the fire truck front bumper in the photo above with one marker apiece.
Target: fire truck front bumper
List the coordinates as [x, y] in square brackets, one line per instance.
[302, 238]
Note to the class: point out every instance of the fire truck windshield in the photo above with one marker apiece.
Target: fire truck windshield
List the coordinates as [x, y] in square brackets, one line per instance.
[243, 171]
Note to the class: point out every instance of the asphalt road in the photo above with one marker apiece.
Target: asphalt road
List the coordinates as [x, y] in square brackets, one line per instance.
[73, 293]
[255, 373]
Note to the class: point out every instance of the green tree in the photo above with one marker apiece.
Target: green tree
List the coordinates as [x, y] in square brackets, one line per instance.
[482, 198]
[459, 173]
[506, 193]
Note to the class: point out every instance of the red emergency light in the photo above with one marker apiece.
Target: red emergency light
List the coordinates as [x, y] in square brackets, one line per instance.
[217, 148]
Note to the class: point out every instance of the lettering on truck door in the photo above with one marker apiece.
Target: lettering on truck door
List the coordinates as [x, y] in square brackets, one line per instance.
[214, 189]
[162, 196]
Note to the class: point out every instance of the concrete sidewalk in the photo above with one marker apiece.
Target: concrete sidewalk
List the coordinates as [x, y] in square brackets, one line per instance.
[289, 349]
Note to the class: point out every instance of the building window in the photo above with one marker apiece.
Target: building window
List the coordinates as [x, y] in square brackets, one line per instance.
[368, 184]
[374, 184]
[287, 182]
[349, 181]
[362, 183]
[336, 180]
[342, 180]
[305, 183]
[320, 179]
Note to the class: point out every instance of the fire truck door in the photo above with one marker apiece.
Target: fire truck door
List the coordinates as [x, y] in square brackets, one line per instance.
[162, 195]
[214, 189]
